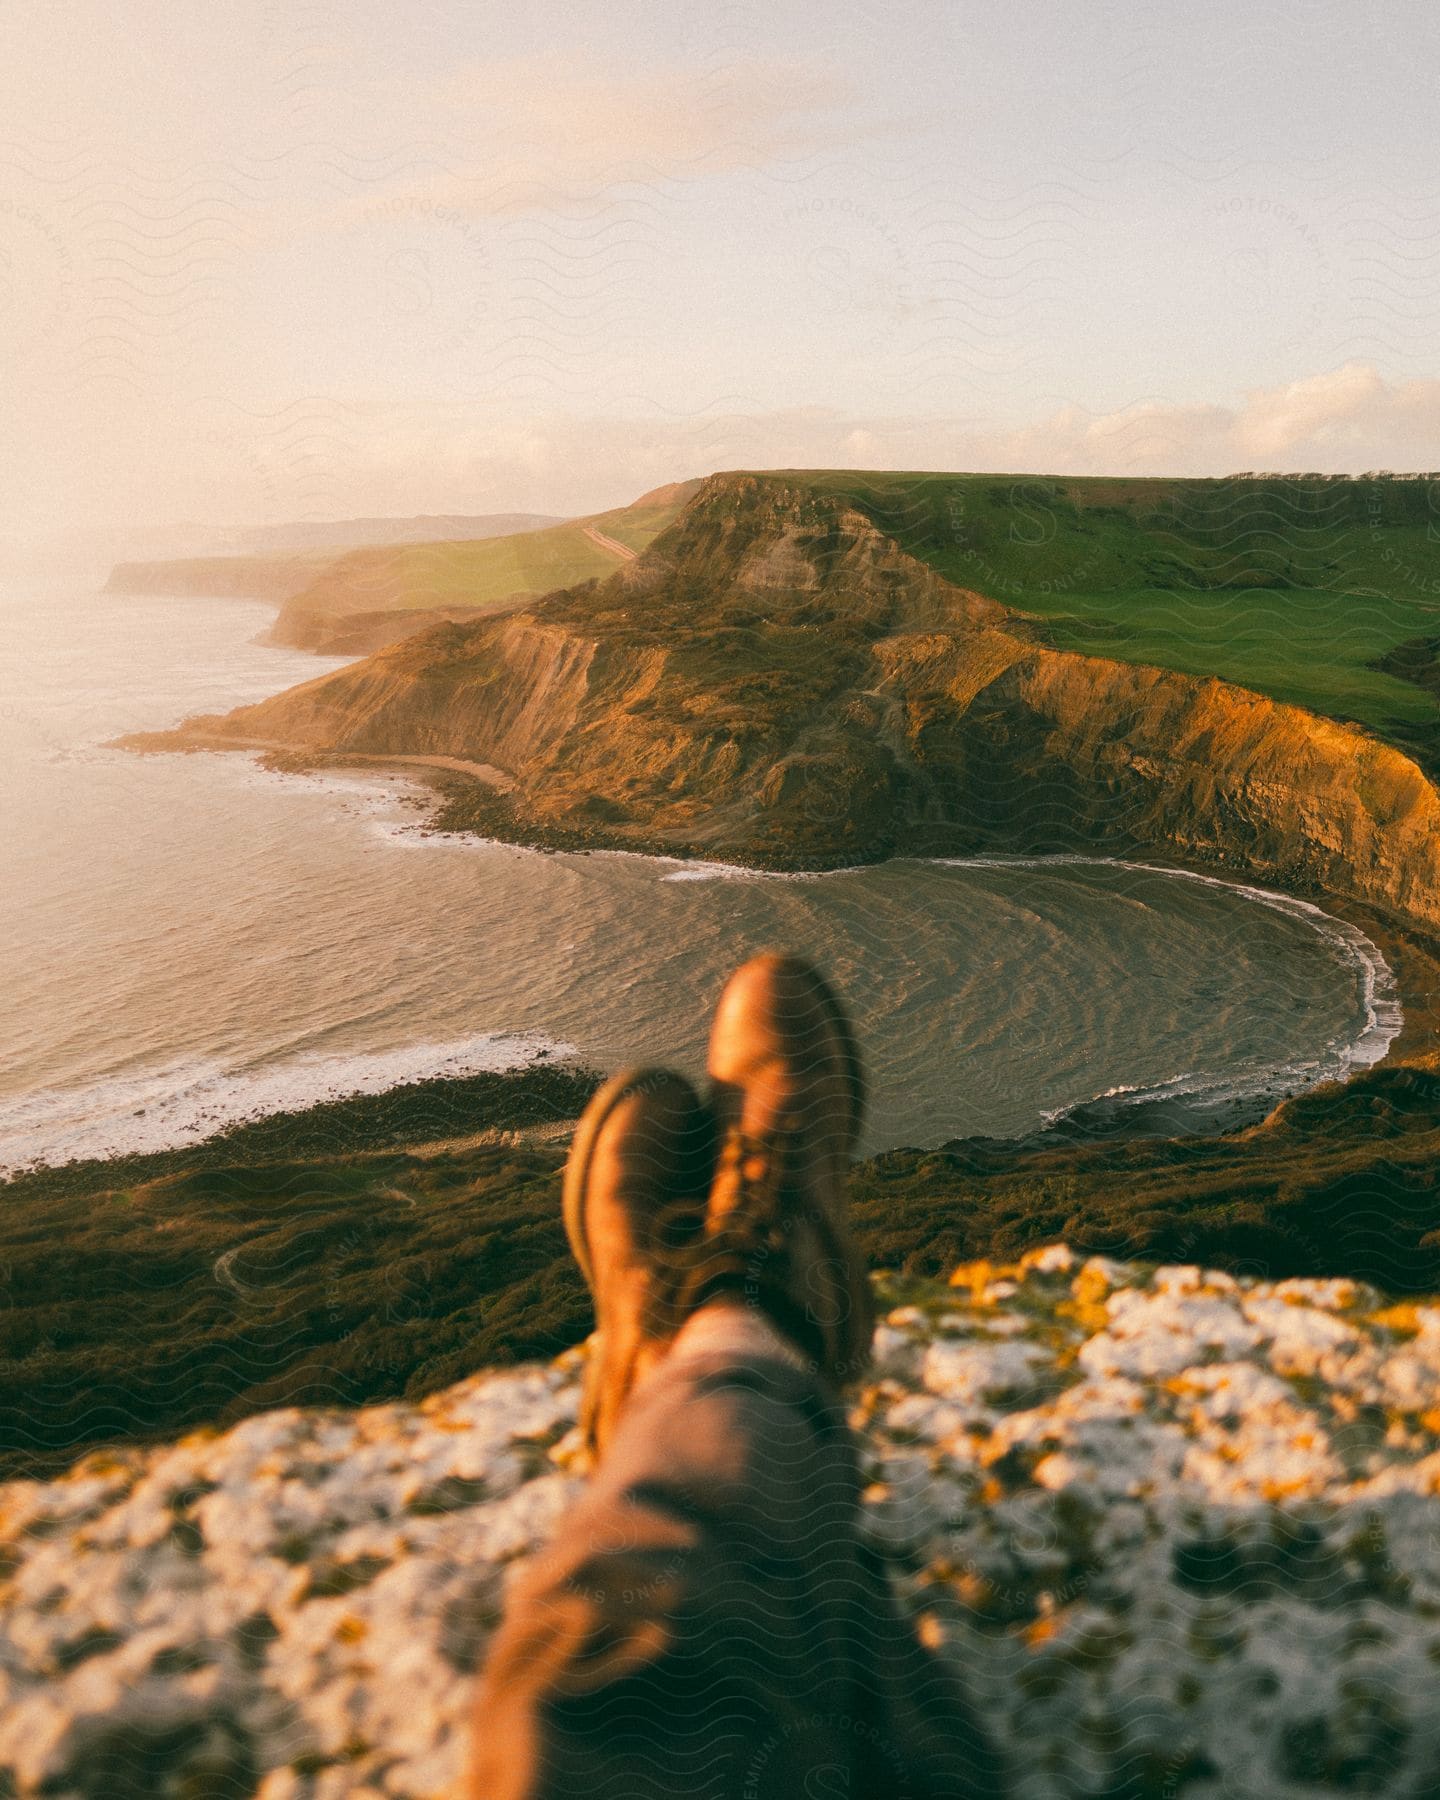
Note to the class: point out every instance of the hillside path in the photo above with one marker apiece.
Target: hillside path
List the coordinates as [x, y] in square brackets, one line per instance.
[613, 545]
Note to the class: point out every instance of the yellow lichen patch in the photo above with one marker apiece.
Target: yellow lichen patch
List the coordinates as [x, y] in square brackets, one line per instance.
[1041, 1631]
[976, 1276]
[1088, 1294]
[1403, 1317]
[1294, 1488]
[351, 1630]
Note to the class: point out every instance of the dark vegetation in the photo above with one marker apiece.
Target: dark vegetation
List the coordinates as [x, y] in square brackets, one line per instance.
[354, 1270]
[1341, 1181]
[303, 1259]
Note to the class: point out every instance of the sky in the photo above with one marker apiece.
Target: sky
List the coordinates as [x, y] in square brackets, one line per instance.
[291, 259]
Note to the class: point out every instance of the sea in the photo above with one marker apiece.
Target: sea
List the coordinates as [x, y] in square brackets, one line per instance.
[190, 941]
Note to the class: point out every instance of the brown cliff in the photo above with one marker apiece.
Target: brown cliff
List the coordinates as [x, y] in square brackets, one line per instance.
[776, 681]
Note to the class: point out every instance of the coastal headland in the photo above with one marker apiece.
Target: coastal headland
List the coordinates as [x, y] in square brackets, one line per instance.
[778, 681]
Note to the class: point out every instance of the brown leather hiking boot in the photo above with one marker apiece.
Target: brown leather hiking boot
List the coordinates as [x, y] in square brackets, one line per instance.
[788, 1099]
[635, 1188]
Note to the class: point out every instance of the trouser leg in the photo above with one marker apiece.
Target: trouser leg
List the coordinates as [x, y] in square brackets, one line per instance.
[708, 1622]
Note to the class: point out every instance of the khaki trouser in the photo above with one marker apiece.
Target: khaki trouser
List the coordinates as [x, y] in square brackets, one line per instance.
[708, 1622]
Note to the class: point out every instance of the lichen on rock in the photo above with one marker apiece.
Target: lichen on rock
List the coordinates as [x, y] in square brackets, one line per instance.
[1177, 1531]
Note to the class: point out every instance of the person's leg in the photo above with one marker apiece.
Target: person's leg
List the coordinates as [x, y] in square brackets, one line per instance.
[708, 1621]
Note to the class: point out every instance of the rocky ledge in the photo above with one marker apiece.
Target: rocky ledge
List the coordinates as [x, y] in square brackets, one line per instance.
[1179, 1531]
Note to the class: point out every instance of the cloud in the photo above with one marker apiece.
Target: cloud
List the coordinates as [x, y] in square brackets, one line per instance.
[1349, 419]
[556, 131]
[1345, 420]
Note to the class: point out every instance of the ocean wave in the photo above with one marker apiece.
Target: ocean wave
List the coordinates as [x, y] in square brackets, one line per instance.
[721, 871]
[168, 1107]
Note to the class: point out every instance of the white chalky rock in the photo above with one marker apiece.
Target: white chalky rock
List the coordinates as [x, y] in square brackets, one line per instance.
[985, 1373]
[1179, 1533]
[1158, 1333]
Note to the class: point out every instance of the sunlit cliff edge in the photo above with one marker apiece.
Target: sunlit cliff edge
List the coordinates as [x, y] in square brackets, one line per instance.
[1175, 1531]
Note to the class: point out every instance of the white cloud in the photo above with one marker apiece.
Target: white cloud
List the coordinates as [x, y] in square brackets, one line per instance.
[559, 131]
[1347, 419]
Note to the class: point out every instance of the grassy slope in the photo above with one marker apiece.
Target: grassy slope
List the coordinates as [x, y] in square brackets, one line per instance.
[487, 572]
[1292, 587]
[359, 1270]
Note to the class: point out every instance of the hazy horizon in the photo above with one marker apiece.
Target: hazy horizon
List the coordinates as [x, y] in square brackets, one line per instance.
[258, 267]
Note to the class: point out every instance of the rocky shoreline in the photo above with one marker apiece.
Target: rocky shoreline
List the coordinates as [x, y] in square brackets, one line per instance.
[1174, 1529]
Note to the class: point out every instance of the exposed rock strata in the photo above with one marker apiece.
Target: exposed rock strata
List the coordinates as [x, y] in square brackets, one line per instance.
[775, 680]
[1176, 1530]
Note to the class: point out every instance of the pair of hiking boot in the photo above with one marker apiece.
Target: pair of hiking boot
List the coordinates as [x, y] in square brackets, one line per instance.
[674, 1203]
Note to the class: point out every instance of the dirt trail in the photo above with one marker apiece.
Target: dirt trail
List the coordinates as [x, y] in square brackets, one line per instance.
[613, 545]
[553, 1131]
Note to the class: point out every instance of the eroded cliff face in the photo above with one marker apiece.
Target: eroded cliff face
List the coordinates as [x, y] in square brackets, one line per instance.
[777, 681]
[1060, 752]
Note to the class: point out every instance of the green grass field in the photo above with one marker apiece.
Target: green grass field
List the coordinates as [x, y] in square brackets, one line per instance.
[486, 572]
[1292, 586]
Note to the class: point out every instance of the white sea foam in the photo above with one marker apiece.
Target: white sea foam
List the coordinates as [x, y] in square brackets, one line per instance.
[720, 871]
[166, 1106]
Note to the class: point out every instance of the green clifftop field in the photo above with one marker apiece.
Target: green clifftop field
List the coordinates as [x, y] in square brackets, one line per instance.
[1296, 586]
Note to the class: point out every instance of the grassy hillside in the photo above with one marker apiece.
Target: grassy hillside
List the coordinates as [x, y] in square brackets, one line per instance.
[488, 572]
[1293, 586]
